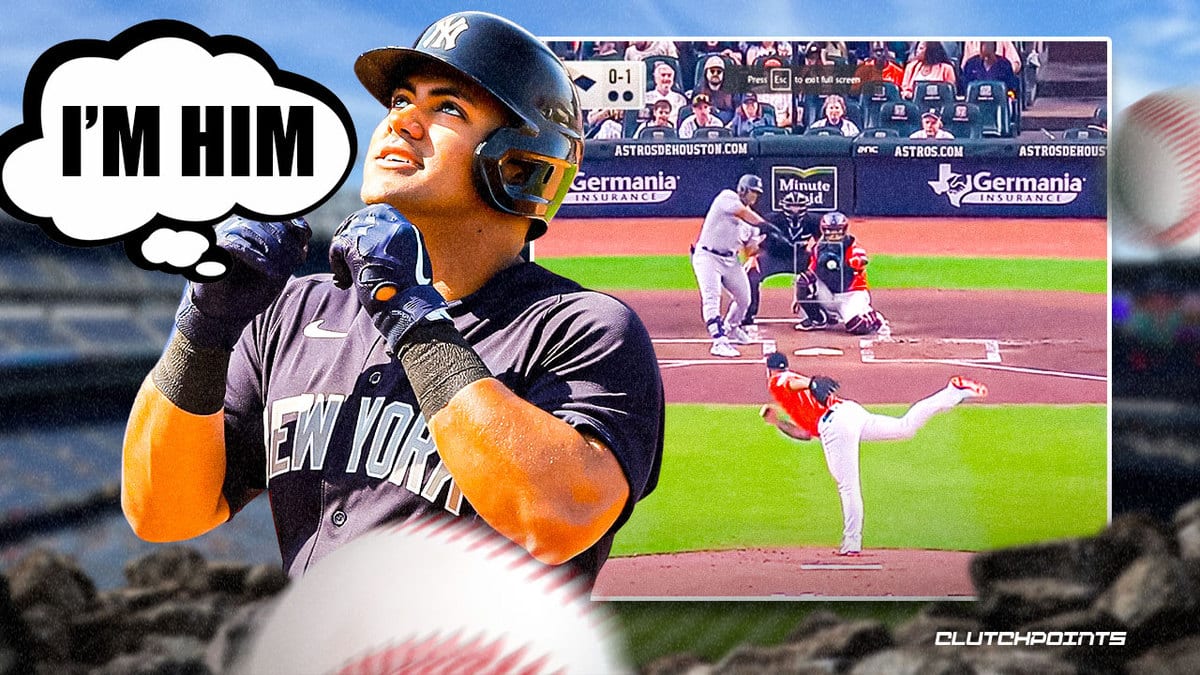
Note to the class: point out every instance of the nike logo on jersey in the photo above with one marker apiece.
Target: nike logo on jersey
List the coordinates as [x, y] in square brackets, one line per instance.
[314, 330]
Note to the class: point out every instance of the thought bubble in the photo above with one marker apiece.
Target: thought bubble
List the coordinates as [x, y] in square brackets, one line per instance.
[164, 130]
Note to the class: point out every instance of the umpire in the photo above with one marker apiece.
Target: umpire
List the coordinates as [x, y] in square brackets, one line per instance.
[786, 248]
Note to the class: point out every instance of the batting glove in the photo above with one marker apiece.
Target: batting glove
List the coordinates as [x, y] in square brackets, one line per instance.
[822, 388]
[383, 256]
[213, 314]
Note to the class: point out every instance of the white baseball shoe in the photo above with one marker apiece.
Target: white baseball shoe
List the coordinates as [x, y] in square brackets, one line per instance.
[972, 388]
[721, 347]
[738, 335]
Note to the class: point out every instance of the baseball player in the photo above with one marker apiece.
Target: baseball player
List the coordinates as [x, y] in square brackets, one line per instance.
[841, 423]
[789, 236]
[435, 371]
[730, 227]
[834, 287]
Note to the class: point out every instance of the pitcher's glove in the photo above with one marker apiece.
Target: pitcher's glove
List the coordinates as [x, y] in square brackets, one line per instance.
[822, 388]
[382, 255]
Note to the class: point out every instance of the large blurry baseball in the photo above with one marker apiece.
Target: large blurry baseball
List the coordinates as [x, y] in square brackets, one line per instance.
[441, 596]
[1156, 167]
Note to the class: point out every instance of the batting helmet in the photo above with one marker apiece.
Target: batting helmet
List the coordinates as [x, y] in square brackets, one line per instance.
[525, 169]
[834, 222]
[749, 183]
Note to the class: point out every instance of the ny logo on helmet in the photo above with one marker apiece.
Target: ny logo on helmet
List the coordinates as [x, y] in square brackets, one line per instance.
[443, 34]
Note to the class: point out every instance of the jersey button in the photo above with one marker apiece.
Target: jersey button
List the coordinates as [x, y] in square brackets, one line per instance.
[375, 377]
[339, 518]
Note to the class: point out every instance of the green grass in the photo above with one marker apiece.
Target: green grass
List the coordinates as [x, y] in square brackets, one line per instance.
[674, 272]
[975, 478]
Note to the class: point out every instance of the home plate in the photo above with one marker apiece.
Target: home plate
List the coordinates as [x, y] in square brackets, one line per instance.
[841, 566]
[818, 351]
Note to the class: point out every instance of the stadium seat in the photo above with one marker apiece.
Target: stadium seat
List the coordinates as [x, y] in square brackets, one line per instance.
[933, 95]
[657, 133]
[630, 123]
[873, 95]
[769, 131]
[992, 99]
[822, 131]
[713, 132]
[1083, 134]
[962, 119]
[879, 132]
[903, 116]
[854, 113]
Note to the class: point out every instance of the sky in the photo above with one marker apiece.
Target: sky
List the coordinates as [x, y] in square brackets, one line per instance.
[1152, 41]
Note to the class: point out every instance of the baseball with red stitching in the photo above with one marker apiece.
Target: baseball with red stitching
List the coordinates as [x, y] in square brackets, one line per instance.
[1156, 168]
[438, 595]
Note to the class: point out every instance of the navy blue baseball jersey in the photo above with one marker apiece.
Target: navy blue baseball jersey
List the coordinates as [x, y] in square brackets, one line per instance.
[318, 415]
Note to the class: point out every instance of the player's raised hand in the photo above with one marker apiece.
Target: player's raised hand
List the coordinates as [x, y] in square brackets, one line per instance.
[263, 255]
[382, 255]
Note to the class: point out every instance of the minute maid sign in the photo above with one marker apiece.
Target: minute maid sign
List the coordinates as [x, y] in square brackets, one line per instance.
[985, 187]
[818, 184]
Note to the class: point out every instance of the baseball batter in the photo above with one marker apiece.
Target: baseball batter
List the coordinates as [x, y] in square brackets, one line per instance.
[841, 424]
[834, 288]
[786, 249]
[435, 371]
[730, 227]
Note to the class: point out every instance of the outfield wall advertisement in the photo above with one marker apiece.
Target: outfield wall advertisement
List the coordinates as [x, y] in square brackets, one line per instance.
[881, 178]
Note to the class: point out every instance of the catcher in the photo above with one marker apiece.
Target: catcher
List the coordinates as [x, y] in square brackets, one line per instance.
[834, 287]
[785, 249]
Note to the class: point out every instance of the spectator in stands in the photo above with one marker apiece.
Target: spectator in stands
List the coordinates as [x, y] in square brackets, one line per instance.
[814, 66]
[749, 116]
[929, 64]
[931, 127]
[987, 65]
[881, 67]
[664, 89]
[605, 124]
[640, 51]
[764, 48]
[714, 84]
[606, 51]
[835, 52]
[702, 117]
[566, 50]
[1005, 49]
[727, 49]
[834, 112]
[661, 116]
[781, 102]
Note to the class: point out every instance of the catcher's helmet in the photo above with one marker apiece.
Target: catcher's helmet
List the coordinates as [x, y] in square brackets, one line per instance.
[749, 183]
[776, 361]
[834, 222]
[525, 169]
[795, 200]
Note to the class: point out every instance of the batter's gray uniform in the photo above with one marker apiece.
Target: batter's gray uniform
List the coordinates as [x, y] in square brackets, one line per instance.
[715, 262]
